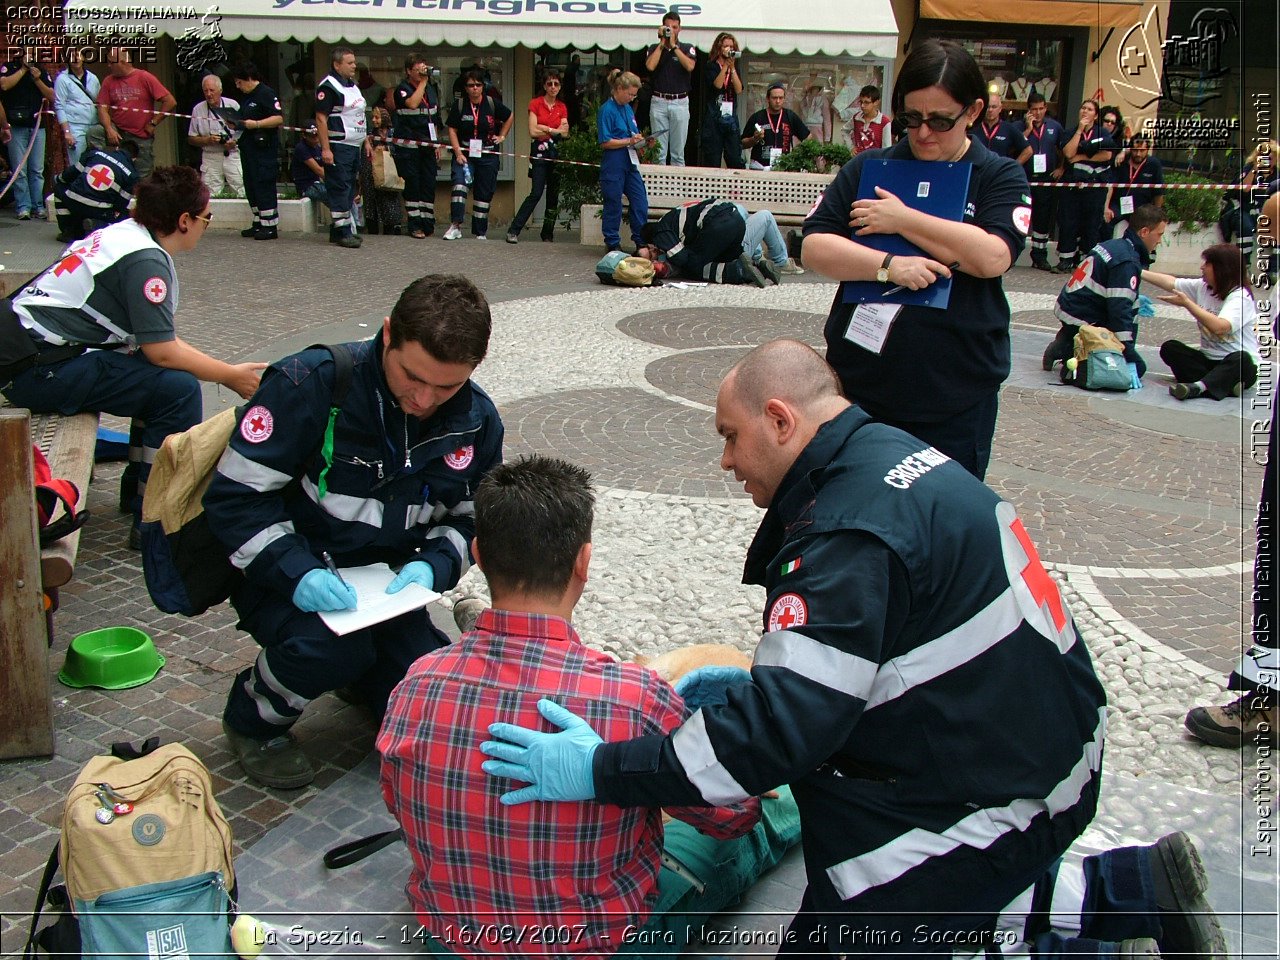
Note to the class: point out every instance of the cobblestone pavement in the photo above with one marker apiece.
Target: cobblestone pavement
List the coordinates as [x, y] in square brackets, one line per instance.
[1141, 507]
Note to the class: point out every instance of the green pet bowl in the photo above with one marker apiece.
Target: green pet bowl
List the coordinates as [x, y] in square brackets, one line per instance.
[113, 658]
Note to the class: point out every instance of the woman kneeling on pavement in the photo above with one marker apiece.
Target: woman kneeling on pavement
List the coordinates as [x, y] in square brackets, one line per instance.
[1222, 305]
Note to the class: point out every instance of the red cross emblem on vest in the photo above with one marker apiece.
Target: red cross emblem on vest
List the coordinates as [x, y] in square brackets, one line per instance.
[68, 265]
[101, 177]
[1043, 589]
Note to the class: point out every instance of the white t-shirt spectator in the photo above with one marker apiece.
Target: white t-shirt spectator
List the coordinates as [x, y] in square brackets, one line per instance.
[1238, 310]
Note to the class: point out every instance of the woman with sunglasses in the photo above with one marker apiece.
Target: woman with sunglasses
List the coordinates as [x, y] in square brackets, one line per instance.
[478, 125]
[1086, 159]
[102, 322]
[548, 124]
[937, 373]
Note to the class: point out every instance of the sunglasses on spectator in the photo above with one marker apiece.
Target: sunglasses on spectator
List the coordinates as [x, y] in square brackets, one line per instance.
[913, 120]
[475, 84]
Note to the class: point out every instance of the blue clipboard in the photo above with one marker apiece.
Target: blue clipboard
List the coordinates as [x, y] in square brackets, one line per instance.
[940, 189]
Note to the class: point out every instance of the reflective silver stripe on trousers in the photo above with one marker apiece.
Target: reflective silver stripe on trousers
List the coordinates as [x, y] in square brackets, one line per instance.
[265, 710]
[698, 760]
[979, 830]
[236, 466]
[249, 550]
[456, 541]
[808, 658]
[344, 507]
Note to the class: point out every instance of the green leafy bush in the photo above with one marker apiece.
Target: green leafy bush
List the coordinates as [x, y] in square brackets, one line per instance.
[1191, 209]
[813, 156]
[580, 185]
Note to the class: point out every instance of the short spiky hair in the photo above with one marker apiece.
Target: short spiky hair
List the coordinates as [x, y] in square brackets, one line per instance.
[533, 516]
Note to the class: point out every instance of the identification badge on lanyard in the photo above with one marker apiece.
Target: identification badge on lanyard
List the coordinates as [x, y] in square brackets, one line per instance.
[431, 132]
[1126, 205]
[1039, 163]
[775, 153]
[635, 156]
[726, 107]
[475, 147]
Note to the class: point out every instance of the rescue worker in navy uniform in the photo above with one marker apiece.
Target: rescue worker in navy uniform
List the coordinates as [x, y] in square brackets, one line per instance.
[1136, 182]
[416, 127]
[908, 615]
[1103, 291]
[478, 126]
[1086, 160]
[102, 319]
[389, 480]
[340, 120]
[261, 118]
[1002, 137]
[1046, 137]
[95, 190]
[702, 240]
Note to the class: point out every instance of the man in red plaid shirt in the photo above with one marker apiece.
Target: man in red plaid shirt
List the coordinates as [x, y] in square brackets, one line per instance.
[550, 879]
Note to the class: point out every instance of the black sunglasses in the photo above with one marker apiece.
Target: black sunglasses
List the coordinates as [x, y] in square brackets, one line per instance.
[913, 120]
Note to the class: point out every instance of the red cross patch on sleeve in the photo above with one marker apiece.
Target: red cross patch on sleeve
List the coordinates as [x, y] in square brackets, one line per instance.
[257, 424]
[788, 611]
[155, 290]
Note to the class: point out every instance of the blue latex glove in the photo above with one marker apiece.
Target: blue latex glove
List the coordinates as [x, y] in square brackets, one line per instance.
[321, 590]
[1145, 307]
[416, 571]
[1135, 382]
[709, 686]
[557, 765]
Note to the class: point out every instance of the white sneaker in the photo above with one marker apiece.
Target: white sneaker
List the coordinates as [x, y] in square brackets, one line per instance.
[453, 233]
[483, 236]
[791, 267]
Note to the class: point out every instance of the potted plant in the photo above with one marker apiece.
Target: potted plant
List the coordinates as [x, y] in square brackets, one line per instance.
[813, 156]
[1193, 224]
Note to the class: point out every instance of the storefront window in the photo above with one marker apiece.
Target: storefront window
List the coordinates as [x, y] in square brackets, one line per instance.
[585, 79]
[1015, 67]
[824, 93]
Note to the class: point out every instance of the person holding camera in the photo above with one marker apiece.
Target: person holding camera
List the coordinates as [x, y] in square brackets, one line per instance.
[416, 128]
[721, 135]
[772, 132]
[25, 90]
[670, 64]
[217, 139]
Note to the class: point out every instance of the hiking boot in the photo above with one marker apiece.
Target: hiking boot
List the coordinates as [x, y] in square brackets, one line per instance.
[1190, 927]
[1139, 948]
[278, 762]
[1064, 266]
[791, 267]
[453, 233]
[267, 233]
[770, 270]
[467, 612]
[1246, 720]
[252, 231]
[1185, 391]
[1049, 359]
[350, 241]
[1041, 263]
[752, 272]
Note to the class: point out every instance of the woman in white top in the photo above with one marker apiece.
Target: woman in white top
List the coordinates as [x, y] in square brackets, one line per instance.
[1222, 304]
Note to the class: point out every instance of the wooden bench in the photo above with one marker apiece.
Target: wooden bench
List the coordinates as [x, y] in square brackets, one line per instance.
[789, 196]
[29, 573]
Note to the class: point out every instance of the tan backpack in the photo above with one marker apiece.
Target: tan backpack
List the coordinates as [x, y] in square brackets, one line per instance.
[1090, 339]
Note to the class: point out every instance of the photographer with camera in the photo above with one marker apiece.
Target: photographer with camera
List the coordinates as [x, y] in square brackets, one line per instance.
[670, 64]
[773, 131]
[416, 122]
[720, 132]
[25, 90]
[217, 140]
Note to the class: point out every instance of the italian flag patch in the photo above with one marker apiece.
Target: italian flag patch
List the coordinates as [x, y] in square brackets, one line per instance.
[791, 566]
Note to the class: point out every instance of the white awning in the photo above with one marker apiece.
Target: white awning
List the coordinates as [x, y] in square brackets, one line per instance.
[830, 27]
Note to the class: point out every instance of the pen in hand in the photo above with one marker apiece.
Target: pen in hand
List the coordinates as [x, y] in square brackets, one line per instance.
[332, 568]
[902, 286]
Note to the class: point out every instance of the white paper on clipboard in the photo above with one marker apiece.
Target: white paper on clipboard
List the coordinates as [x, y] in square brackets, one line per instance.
[870, 324]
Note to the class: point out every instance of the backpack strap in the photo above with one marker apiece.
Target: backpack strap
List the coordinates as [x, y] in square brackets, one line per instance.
[346, 854]
[343, 367]
[46, 880]
[125, 750]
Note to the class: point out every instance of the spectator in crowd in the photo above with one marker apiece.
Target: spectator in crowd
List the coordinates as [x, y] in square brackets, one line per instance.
[937, 373]
[340, 120]
[298, 485]
[721, 135]
[131, 104]
[26, 91]
[1046, 137]
[815, 111]
[620, 138]
[1240, 208]
[772, 132]
[95, 190]
[261, 118]
[483, 123]
[1253, 718]
[112, 295]
[75, 97]
[1103, 291]
[416, 127]
[911, 610]
[1222, 305]
[1002, 137]
[382, 196]
[670, 64]
[1113, 123]
[216, 138]
[869, 129]
[1086, 160]
[373, 92]
[548, 124]
[533, 542]
[714, 240]
[305, 169]
[1133, 185]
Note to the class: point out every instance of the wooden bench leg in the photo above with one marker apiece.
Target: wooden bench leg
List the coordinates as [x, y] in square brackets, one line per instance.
[26, 707]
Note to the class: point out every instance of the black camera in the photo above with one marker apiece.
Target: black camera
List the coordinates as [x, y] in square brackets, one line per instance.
[224, 137]
[666, 33]
[734, 54]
